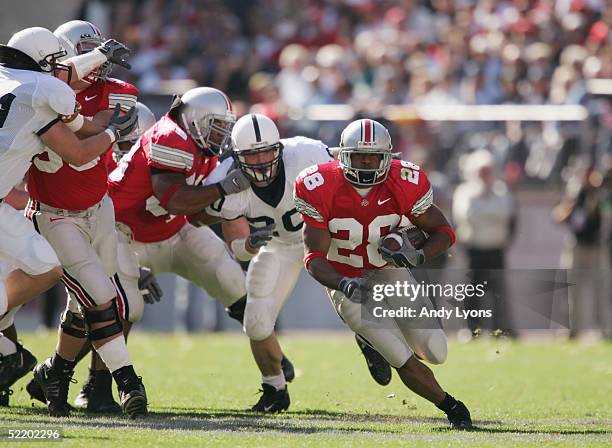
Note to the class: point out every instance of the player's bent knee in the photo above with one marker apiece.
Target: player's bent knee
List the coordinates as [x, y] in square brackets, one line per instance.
[258, 320]
[73, 325]
[435, 350]
[103, 314]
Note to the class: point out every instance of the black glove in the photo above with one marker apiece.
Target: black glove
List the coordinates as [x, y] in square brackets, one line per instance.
[407, 256]
[148, 286]
[116, 52]
[122, 125]
[355, 289]
[261, 237]
[234, 182]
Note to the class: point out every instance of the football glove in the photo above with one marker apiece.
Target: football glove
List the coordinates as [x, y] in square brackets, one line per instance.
[261, 237]
[407, 256]
[115, 52]
[148, 286]
[122, 125]
[355, 289]
[234, 182]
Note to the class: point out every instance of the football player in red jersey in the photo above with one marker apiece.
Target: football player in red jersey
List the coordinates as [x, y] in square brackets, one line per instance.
[347, 206]
[159, 182]
[70, 207]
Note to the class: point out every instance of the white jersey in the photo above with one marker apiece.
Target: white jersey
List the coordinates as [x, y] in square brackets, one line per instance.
[274, 203]
[30, 103]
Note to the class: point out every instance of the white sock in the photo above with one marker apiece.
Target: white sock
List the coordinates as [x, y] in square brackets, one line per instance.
[7, 347]
[277, 381]
[115, 354]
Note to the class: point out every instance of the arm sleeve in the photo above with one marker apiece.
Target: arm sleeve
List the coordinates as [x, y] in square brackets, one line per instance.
[56, 95]
[166, 156]
[124, 94]
[422, 198]
[309, 205]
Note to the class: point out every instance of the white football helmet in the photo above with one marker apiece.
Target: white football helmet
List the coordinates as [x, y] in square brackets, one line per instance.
[146, 119]
[42, 47]
[365, 137]
[78, 37]
[208, 116]
[255, 134]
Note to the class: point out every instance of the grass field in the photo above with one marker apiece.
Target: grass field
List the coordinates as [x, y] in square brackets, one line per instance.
[539, 394]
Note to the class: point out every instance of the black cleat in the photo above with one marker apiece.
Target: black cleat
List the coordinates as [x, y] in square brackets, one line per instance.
[134, 401]
[4, 397]
[459, 417]
[35, 391]
[131, 392]
[15, 366]
[287, 368]
[272, 400]
[54, 384]
[378, 366]
[100, 398]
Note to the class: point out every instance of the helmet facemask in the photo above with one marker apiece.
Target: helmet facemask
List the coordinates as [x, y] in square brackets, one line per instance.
[264, 172]
[212, 132]
[51, 64]
[365, 177]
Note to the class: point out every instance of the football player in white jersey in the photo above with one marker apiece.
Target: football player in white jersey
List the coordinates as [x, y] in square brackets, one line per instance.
[274, 247]
[38, 110]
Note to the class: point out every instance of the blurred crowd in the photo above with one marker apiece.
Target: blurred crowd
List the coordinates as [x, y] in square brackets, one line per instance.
[278, 57]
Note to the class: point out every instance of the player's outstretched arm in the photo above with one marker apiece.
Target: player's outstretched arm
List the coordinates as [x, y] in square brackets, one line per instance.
[441, 235]
[316, 242]
[61, 138]
[65, 143]
[179, 198]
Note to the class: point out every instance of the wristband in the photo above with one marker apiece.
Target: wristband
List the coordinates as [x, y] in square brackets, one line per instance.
[85, 63]
[76, 124]
[112, 135]
[449, 231]
[239, 250]
[311, 256]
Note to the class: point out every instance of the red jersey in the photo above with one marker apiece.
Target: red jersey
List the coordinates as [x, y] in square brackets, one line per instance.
[164, 147]
[356, 223]
[55, 182]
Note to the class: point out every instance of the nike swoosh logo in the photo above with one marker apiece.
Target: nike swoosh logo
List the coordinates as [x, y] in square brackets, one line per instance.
[382, 202]
[54, 219]
[268, 408]
[89, 98]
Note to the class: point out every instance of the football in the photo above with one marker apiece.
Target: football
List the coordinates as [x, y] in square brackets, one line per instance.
[393, 240]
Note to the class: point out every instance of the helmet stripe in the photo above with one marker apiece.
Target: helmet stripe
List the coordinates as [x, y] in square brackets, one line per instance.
[256, 127]
[368, 131]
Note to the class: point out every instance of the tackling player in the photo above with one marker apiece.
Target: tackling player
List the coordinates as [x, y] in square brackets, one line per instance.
[33, 108]
[158, 182]
[347, 206]
[70, 208]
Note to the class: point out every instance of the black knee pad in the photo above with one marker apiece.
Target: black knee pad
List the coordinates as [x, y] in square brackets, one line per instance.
[73, 325]
[236, 309]
[108, 315]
